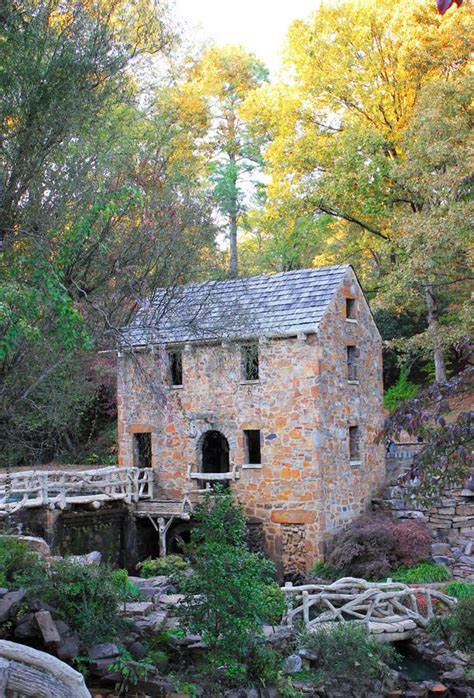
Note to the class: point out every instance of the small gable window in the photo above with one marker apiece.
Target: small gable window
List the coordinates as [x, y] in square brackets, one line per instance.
[250, 362]
[252, 446]
[354, 444]
[350, 309]
[352, 354]
[175, 364]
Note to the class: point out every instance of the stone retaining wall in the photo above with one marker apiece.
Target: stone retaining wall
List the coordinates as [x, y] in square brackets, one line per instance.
[451, 521]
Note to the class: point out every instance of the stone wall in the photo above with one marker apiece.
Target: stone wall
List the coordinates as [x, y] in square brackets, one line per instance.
[303, 405]
[451, 521]
[78, 530]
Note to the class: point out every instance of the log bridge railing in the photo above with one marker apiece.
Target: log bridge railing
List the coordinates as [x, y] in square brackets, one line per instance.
[59, 488]
[386, 607]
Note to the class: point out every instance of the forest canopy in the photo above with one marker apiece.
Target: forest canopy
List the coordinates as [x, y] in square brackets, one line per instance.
[133, 158]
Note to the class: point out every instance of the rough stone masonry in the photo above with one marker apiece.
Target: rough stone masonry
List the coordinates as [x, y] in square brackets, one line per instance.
[298, 426]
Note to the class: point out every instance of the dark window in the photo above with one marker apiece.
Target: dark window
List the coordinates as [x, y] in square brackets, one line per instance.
[142, 450]
[352, 354]
[250, 362]
[350, 308]
[354, 443]
[175, 359]
[252, 446]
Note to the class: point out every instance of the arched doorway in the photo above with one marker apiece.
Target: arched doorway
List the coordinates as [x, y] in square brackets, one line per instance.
[214, 453]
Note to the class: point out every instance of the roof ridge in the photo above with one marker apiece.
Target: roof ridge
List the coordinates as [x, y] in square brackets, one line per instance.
[237, 279]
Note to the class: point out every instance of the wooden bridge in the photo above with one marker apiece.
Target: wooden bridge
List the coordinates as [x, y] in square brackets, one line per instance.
[60, 488]
[391, 610]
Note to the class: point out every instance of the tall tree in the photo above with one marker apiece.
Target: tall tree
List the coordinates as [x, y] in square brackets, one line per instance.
[90, 223]
[216, 88]
[340, 135]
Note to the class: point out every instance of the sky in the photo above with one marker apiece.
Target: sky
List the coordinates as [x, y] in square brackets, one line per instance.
[259, 26]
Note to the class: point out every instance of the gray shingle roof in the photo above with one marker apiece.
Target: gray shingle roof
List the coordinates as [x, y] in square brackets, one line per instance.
[270, 305]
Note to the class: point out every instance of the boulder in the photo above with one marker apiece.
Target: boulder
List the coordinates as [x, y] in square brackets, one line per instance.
[10, 602]
[454, 676]
[102, 650]
[137, 608]
[36, 545]
[170, 599]
[47, 627]
[138, 650]
[92, 558]
[27, 629]
[69, 647]
[292, 664]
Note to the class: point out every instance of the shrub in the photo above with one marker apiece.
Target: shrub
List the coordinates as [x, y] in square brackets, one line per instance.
[231, 592]
[463, 625]
[18, 564]
[402, 390]
[170, 564]
[458, 626]
[86, 596]
[347, 652]
[412, 542]
[365, 549]
[375, 544]
[324, 571]
[423, 573]
[460, 590]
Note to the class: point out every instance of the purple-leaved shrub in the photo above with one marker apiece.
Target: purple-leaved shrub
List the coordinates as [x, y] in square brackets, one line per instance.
[375, 545]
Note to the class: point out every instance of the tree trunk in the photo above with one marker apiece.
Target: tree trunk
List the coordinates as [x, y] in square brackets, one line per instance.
[433, 327]
[233, 208]
[234, 264]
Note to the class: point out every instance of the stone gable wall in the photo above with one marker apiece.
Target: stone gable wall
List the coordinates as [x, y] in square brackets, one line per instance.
[302, 404]
[348, 488]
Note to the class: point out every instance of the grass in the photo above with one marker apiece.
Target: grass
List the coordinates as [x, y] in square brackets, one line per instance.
[422, 573]
[460, 590]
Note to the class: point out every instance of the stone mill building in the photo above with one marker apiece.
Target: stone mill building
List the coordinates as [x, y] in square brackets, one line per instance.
[272, 384]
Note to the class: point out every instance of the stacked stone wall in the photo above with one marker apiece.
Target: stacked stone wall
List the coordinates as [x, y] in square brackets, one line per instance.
[451, 522]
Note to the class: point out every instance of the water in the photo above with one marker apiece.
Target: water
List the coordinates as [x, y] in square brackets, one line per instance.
[413, 666]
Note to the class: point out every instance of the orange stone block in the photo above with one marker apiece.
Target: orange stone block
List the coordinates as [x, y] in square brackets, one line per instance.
[293, 516]
[170, 429]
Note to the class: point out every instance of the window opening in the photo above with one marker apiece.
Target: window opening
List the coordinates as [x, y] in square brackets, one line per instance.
[354, 443]
[175, 360]
[250, 361]
[350, 309]
[352, 363]
[142, 450]
[252, 446]
[215, 453]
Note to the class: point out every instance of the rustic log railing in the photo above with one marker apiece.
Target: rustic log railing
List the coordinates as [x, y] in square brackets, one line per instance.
[232, 474]
[383, 606]
[25, 671]
[58, 488]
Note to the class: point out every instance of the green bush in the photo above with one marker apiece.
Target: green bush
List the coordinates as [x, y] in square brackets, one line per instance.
[458, 626]
[460, 590]
[86, 596]
[170, 564]
[231, 592]
[325, 571]
[402, 390]
[423, 573]
[18, 564]
[347, 652]
[463, 626]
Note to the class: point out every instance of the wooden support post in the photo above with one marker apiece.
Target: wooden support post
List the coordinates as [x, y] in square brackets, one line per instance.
[162, 536]
[306, 608]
